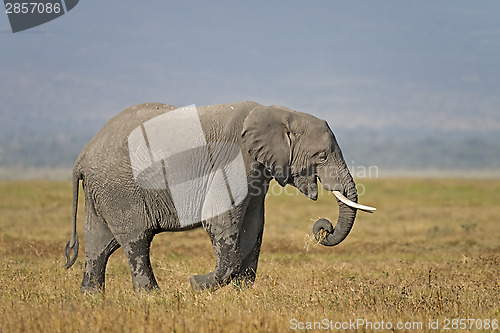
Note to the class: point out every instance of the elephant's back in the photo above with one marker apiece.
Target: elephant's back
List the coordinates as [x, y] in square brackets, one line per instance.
[111, 142]
[135, 115]
[120, 126]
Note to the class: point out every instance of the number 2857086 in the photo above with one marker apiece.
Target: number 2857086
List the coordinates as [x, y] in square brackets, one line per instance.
[33, 8]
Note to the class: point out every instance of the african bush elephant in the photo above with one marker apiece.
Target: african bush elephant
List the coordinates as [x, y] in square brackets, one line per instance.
[155, 168]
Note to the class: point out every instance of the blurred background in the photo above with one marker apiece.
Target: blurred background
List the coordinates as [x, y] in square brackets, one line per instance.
[410, 88]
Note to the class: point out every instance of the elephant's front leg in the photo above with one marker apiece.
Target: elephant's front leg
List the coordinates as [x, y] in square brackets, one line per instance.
[224, 233]
[251, 240]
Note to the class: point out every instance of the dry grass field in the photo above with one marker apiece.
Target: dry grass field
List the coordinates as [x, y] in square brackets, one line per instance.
[427, 258]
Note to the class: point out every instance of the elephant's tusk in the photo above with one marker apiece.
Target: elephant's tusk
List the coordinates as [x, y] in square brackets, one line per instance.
[352, 204]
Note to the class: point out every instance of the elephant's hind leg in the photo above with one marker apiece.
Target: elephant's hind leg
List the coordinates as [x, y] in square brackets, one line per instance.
[99, 245]
[139, 261]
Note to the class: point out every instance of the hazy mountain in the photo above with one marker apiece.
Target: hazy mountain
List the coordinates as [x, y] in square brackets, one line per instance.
[45, 146]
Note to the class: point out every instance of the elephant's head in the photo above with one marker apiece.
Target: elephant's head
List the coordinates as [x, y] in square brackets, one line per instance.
[297, 148]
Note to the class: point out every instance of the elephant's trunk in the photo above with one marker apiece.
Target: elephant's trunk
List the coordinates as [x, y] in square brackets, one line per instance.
[332, 236]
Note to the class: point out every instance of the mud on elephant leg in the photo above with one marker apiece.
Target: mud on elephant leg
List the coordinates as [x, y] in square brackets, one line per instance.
[248, 269]
[100, 244]
[227, 257]
[137, 253]
[250, 242]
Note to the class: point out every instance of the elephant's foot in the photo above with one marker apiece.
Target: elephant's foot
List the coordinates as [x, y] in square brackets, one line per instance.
[92, 286]
[209, 282]
[145, 285]
[88, 290]
[206, 282]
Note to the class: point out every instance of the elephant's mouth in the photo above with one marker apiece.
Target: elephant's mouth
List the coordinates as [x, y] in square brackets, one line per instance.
[353, 204]
[307, 185]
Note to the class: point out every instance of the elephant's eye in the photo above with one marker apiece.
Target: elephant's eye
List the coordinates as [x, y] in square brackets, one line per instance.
[322, 157]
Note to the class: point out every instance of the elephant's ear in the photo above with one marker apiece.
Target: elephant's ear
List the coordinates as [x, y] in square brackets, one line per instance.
[267, 136]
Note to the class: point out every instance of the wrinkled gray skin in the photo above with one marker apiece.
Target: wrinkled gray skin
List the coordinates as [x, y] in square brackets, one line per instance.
[291, 147]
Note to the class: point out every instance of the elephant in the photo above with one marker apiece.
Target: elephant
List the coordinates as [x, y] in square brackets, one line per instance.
[155, 167]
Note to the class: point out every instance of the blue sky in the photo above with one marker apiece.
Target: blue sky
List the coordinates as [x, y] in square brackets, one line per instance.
[376, 64]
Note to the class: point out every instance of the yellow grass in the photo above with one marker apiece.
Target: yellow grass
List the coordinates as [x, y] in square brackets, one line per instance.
[430, 252]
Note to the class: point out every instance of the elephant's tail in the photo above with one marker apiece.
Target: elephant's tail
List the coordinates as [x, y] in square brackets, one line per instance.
[71, 250]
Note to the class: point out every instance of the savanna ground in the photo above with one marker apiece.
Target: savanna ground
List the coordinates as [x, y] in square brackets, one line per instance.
[430, 252]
